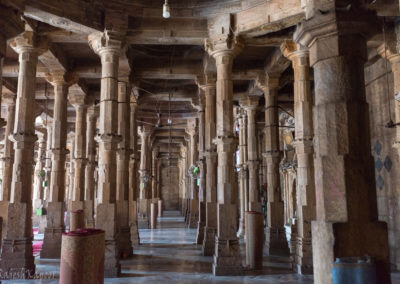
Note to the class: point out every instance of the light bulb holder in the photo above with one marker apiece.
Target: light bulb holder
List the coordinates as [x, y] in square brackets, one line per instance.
[166, 13]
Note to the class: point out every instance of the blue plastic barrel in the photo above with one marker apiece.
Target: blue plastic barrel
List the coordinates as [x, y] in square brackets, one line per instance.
[354, 270]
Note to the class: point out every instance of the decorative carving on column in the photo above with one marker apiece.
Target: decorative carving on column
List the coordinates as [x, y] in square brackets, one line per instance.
[55, 207]
[16, 254]
[145, 178]
[123, 155]
[275, 235]
[39, 176]
[108, 46]
[133, 166]
[90, 185]
[303, 144]
[78, 98]
[346, 206]
[7, 160]
[227, 259]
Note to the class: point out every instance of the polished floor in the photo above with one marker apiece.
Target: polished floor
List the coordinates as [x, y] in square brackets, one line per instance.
[169, 254]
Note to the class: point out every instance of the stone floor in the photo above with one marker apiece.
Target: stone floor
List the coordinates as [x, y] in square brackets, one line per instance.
[169, 254]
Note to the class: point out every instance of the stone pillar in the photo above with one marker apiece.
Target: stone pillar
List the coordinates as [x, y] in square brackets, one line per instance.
[275, 235]
[3, 49]
[49, 127]
[210, 154]
[250, 105]
[16, 254]
[133, 182]
[193, 157]
[108, 46]
[227, 258]
[154, 174]
[346, 207]
[90, 184]
[243, 177]
[202, 165]
[124, 152]
[78, 100]
[7, 161]
[183, 151]
[69, 181]
[39, 176]
[145, 175]
[304, 133]
[55, 207]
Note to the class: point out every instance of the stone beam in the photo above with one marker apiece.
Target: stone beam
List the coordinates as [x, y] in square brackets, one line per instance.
[54, 59]
[82, 18]
[269, 16]
[276, 63]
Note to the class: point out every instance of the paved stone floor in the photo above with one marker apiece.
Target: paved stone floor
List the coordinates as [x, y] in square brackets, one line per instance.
[169, 254]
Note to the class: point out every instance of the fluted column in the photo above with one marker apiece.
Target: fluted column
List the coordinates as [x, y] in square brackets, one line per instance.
[123, 154]
[55, 207]
[90, 185]
[108, 46]
[145, 175]
[304, 133]
[227, 259]
[7, 160]
[39, 177]
[346, 203]
[275, 236]
[78, 100]
[133, 173]
[202, 165]
[193, 158]
[16, 254]
[243, 176]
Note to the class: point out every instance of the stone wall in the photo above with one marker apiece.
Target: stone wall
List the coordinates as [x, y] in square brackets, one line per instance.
[170, 189]
[387, 164]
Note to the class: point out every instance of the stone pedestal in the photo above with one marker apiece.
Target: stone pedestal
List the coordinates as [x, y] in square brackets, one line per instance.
[77, 220]
[153, 215]
[52, 234]
[144, 213]
[254, 239]
[160, 208]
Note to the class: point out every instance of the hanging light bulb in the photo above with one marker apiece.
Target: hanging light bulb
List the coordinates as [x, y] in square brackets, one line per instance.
[166, 14]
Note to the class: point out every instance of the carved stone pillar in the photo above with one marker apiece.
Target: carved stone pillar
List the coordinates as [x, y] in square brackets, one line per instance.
[145, 175]
[275, 235]
[304, 134]
[108, 46]
[69, 181]
[7, 160]
[77, 98]
[210, 154]
[133, 165]
[124, 152]
[227, 259]
[38, 178]
[16, 254]
[250, 105]
[183, 151]
[346, 208]
[90, 185]
[154, 174]
[193, 157]
[47, 168]
[55, 207]
[243, 177]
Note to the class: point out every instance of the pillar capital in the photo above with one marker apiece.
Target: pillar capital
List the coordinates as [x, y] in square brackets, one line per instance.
[292, 50]
[249, 103]
[29, 42]
[330, 26]
[389, 51]
[133, 102]
[145, 131]
[78, 99]
[106, 42]
[224, 47]
[9, 99]
[61, 78]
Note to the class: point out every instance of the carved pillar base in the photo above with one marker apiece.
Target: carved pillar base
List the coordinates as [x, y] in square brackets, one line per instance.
[202, 223]
[4, 214]
[76, 205]
[16, 256]
[144, 213]
[105, 220]
[194, 213]
[303, 257]
[276, 242]
[124, 242]
[227, 258]
[89, 218]
[52, 234]
[210, 230]
[135, 240]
